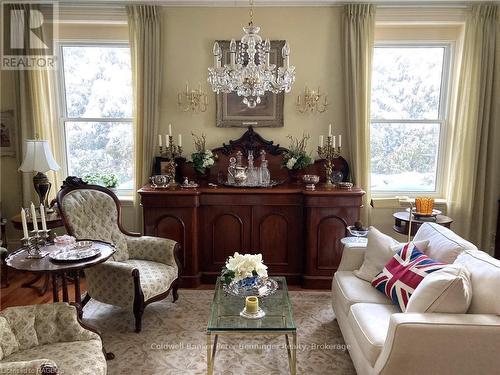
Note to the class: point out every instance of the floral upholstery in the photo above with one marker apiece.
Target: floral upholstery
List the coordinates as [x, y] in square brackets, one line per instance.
[92, 214]
[155, 249]
[22, 323]
[79, 357]
[155, 278]
[8, 341]
[59, 338]
[111, 282]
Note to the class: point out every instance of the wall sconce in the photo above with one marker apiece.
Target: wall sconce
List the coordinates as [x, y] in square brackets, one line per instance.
[310, 101]
[193, 100]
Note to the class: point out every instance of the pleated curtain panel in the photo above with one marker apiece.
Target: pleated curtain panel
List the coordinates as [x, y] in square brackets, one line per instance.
[358, 35]
[474, 173]
[37, 114]
[144, 23]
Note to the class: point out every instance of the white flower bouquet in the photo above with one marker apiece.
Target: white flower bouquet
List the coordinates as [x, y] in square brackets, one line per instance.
[296, 157]
[202, 158]
[242, 266]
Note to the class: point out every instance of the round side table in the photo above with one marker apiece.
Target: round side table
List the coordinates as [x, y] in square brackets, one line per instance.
[402, 220]
[19, 261]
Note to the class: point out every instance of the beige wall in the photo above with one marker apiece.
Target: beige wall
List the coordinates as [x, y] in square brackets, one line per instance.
[314, 37]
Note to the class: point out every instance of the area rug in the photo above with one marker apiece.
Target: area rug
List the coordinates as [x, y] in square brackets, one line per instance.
[173, 339]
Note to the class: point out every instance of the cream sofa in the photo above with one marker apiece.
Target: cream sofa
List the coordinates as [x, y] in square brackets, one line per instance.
[382, 340]
[48, 339]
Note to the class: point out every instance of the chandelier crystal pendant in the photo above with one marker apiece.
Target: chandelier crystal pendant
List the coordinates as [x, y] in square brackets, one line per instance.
[249, 72]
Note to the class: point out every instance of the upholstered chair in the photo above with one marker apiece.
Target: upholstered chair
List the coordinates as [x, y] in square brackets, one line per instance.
[49, 339]
[143, 269]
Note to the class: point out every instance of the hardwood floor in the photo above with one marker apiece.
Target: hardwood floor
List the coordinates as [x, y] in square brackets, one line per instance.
[15, 295]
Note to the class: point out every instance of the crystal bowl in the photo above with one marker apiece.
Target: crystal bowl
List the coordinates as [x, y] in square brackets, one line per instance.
[311, 180]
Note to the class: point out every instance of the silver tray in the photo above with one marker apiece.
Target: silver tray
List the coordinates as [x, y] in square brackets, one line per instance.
[75, 255]
[244, 185]
[265, 287]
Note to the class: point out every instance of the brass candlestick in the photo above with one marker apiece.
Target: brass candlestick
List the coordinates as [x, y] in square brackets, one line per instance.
[329, 152]
[170, 152]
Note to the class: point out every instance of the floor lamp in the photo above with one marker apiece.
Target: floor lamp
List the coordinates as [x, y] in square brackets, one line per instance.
[38, 158]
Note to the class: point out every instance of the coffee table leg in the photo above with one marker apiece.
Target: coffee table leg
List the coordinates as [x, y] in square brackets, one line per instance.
[211, 350]
[55, 289]
[292, 353]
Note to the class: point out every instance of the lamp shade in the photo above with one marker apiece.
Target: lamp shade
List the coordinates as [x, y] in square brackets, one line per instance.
[38, 157]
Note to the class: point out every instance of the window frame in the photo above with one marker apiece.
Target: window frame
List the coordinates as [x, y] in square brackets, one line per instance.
[443, 118]
[62, 108]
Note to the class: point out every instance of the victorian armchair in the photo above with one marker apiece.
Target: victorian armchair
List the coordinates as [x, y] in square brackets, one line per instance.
[143, 269]
[49, 339]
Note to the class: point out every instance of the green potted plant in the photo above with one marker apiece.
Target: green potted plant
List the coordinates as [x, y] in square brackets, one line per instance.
[108, 180]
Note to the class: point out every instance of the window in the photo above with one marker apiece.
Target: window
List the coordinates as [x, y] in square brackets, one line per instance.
[96, 87]
[408, 115]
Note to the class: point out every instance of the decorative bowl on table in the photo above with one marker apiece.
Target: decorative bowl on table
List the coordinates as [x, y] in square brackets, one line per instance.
[345, 185]
[74, 255]
[311, 180]
[417, 215]
[62, 242]
[357, 230]
[260, 287]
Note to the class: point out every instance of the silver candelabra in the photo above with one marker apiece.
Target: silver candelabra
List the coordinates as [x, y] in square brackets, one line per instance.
[34, 243]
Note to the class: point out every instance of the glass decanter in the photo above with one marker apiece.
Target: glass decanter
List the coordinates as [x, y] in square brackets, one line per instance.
[265, 174]
[252, 178]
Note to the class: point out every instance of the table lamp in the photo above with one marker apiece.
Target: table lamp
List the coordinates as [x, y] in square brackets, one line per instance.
[38, 158]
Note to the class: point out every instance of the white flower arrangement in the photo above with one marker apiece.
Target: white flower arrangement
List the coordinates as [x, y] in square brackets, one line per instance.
[240, 266]
[202, 157]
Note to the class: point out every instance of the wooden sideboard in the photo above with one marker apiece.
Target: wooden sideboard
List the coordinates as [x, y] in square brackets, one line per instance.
[298, 232]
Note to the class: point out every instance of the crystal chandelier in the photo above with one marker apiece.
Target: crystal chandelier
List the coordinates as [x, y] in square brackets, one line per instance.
[249, 72]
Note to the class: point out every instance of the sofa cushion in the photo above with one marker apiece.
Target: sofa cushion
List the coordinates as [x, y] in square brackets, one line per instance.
[377, 254]
[444, 245]
[8, 341]
[21, 320]
[485, 279]
[370, 323]
[349, 289]
[75, 358]
[447, 290]
[402, 274]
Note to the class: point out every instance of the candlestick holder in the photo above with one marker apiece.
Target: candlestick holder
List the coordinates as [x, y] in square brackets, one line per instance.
[34, 243]
[171, 151]
[329, 152]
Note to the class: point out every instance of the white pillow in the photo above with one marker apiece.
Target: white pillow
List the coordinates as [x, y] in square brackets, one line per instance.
[447, 290]
[377, 254]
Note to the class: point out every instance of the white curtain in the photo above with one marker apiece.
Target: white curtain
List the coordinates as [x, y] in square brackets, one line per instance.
[474, 171]
[145, 42]
[359, 30]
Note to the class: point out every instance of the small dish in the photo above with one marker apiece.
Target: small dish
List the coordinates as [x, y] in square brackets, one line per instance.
[356, 232]
[257, 315]
[74, 255]
[82, 245]
[345, 185]
[421, 214]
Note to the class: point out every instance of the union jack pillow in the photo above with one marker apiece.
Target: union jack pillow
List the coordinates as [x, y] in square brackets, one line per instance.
[402, 274]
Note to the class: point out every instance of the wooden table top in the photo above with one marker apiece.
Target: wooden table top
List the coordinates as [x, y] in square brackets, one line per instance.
[19, 260]
[52, 219]
[440, 219]
[287, 188]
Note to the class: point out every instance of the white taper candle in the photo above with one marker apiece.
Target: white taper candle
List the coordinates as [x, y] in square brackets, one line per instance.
[340, 140]
[159, 140]
[33, 217]
[330, 130]
[180, 140]
[42, 216]
[25, 224]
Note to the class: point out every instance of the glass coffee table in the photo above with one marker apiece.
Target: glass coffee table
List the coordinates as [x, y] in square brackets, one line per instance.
[225, 319]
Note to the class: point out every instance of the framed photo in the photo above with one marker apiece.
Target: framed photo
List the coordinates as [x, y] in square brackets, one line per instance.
[230, 110]
[7, 134]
